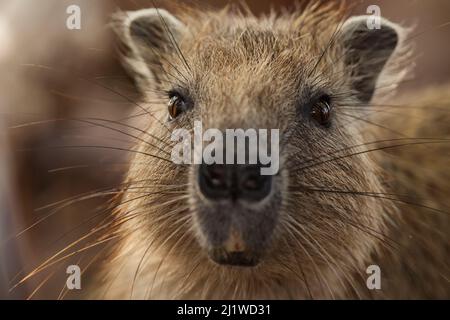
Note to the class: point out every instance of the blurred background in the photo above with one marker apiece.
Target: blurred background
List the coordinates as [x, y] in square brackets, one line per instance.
[50, 75]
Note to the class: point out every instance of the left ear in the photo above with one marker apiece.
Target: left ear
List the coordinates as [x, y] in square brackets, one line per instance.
[367, 51]
[149, 36]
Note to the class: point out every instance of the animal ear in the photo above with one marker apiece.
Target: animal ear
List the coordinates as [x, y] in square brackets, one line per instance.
[367, 51]
[148, 35]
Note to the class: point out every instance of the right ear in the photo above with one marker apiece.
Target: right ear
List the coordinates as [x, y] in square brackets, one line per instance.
[368, 51]
[148, 36]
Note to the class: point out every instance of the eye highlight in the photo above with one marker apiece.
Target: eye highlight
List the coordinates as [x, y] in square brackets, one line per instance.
[177, 105]
[321, 112]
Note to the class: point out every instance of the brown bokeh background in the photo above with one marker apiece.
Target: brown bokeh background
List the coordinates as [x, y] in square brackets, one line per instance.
[44, 75]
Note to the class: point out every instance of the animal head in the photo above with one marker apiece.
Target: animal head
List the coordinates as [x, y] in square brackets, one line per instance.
[311, 75]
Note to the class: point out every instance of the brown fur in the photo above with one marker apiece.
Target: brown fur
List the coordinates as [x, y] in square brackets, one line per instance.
[243, 72]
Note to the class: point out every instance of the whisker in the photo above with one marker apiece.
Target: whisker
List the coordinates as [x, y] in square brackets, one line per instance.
[104, 87]
[172, 38]
[92, 122]
[373, 124]
[321, 279]
[371, 150]
[40, 285]
[362, 194]
[99, 147]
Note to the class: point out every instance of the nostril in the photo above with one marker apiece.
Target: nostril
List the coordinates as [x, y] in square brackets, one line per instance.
[213, 181]
[253, 180]
[252, 184]
[215, 176]
[219, 181]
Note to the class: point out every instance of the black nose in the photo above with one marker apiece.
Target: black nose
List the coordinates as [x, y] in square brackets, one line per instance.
[221, 181]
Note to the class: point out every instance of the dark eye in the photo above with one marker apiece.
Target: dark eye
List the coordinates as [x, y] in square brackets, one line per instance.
[177, 105]
[321, 112]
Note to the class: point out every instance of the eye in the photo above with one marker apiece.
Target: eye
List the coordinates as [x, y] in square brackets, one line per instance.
[177, 105]
[321, 112]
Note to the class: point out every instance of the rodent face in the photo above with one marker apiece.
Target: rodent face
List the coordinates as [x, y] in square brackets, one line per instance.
[229, 72]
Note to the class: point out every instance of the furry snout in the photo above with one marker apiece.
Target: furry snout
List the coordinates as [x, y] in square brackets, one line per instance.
[236, 212]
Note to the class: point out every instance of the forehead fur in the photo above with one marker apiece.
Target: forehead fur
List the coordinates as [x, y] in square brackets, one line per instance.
[232, 50]
[231, 36]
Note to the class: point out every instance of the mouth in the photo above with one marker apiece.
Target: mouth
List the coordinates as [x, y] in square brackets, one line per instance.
[235, 237]
[235, 220]
[238, 259]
